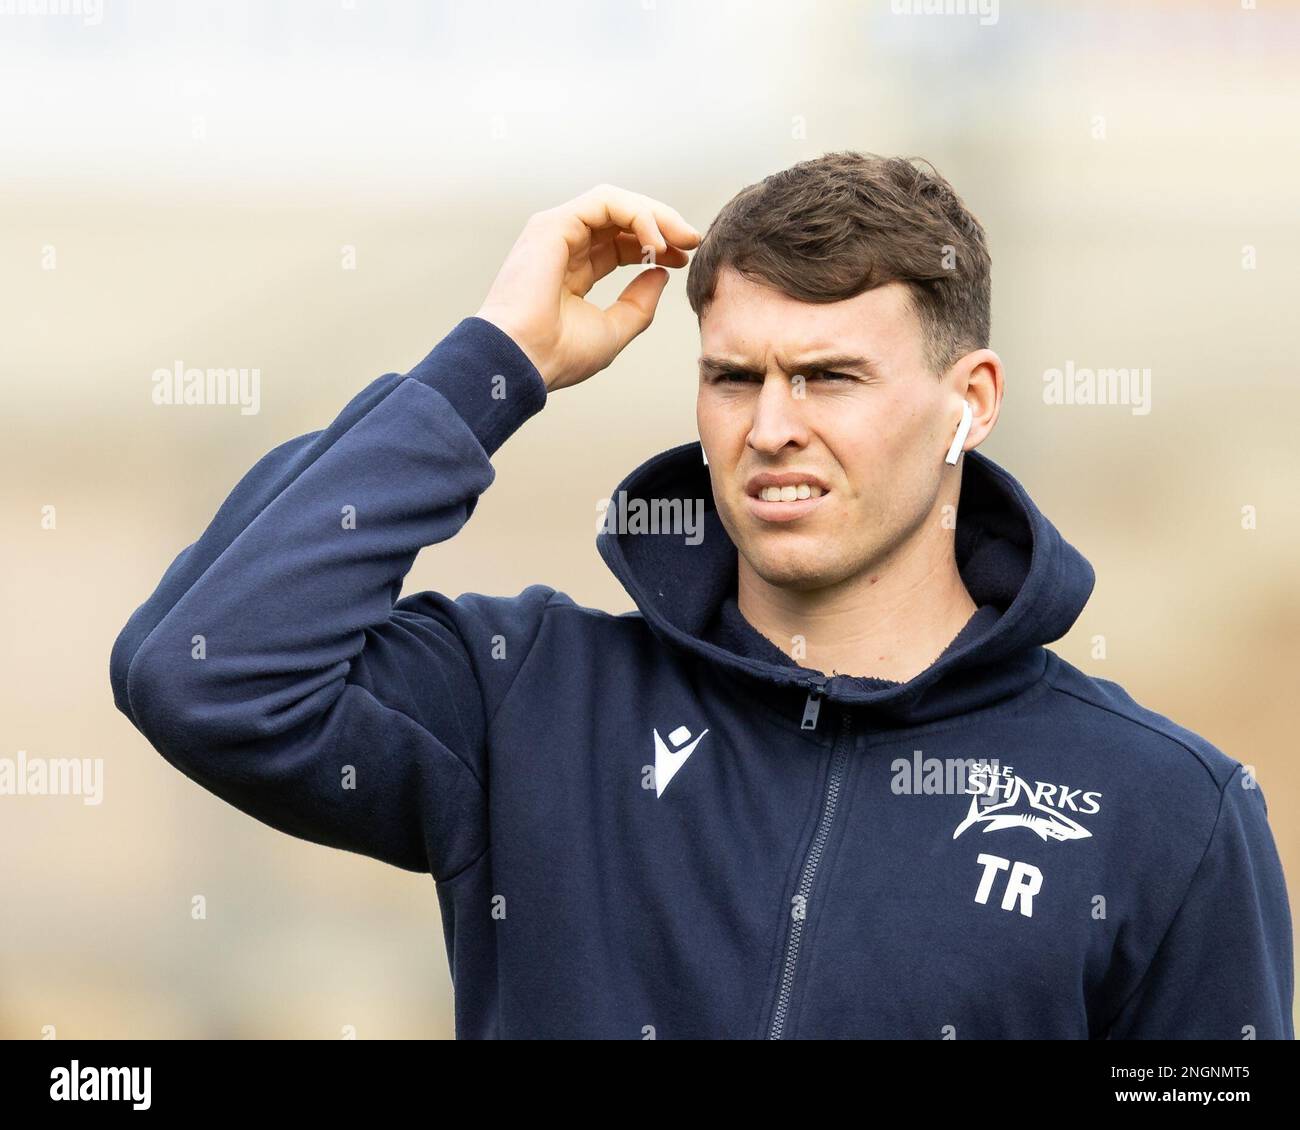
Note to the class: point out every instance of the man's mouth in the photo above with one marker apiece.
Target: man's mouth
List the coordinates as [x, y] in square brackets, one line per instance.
[785, 495]
[790, 493]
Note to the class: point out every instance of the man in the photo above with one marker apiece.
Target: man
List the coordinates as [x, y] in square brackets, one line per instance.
[827, 781]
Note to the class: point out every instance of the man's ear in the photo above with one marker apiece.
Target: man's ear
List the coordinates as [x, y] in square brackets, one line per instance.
[977, 378]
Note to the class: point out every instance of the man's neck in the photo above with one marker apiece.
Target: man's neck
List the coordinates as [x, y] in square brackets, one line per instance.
[891, 621]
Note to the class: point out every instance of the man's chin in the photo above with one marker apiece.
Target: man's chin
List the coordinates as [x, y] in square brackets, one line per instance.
[793, 572]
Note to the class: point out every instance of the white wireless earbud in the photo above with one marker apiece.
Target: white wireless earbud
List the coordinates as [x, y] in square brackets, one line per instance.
[962, 429]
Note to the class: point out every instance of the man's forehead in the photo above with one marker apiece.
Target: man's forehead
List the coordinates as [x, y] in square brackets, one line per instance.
[751, 323]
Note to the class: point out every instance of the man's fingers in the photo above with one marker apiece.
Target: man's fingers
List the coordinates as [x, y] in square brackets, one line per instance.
[653, 222]
[635, 308]
[612, 249]
[562, 253]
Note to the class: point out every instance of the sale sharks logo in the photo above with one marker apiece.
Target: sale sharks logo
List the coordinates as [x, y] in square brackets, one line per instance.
[1003, 800]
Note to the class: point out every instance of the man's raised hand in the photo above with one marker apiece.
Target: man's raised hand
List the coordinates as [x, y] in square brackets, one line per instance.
[539, 295]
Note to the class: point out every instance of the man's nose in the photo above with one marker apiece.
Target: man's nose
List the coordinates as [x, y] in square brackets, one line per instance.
[778, 416]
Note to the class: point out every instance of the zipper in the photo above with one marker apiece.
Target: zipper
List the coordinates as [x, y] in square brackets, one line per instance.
[812, 708]
[830, 801]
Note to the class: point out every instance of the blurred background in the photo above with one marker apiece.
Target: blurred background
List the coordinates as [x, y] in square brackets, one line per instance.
[321, 190]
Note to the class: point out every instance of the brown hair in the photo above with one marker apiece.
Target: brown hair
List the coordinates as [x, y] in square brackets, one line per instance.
[832, 227]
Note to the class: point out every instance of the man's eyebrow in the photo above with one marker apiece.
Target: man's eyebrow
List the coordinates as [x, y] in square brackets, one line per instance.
[816, 362]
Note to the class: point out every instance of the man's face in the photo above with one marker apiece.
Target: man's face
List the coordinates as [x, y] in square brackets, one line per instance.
[861, 444]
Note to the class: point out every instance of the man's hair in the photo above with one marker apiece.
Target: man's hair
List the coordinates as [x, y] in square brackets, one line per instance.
[835, 226]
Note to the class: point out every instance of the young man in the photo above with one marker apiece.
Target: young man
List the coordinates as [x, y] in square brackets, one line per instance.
[827, 781]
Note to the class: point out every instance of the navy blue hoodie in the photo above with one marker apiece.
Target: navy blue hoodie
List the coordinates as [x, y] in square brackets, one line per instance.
[658, 824]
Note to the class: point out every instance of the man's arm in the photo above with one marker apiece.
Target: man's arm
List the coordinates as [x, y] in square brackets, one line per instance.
[1224, 970]
[272, 664]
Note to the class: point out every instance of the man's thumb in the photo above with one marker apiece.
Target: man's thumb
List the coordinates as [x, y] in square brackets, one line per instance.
[635, 308]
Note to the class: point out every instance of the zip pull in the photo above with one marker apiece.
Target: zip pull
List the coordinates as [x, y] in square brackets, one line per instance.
[812, 708]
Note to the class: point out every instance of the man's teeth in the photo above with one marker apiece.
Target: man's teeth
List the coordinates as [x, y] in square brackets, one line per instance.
[790, 493]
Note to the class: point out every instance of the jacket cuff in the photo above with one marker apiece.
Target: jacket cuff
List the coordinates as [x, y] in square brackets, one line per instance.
[486, 377]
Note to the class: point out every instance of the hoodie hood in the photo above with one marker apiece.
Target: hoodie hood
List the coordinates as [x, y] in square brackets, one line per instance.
[1028, 583]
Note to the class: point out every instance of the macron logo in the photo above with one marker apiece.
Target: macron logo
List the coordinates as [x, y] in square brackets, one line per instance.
[668, 761]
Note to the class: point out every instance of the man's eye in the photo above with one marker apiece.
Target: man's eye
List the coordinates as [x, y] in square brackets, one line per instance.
[737, 376]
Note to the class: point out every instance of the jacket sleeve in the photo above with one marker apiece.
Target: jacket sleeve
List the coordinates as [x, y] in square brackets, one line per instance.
[1224, 969]
[274, 664]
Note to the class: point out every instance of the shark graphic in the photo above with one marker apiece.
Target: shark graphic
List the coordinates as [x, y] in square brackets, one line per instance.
[667, 761]
[1020, 810]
